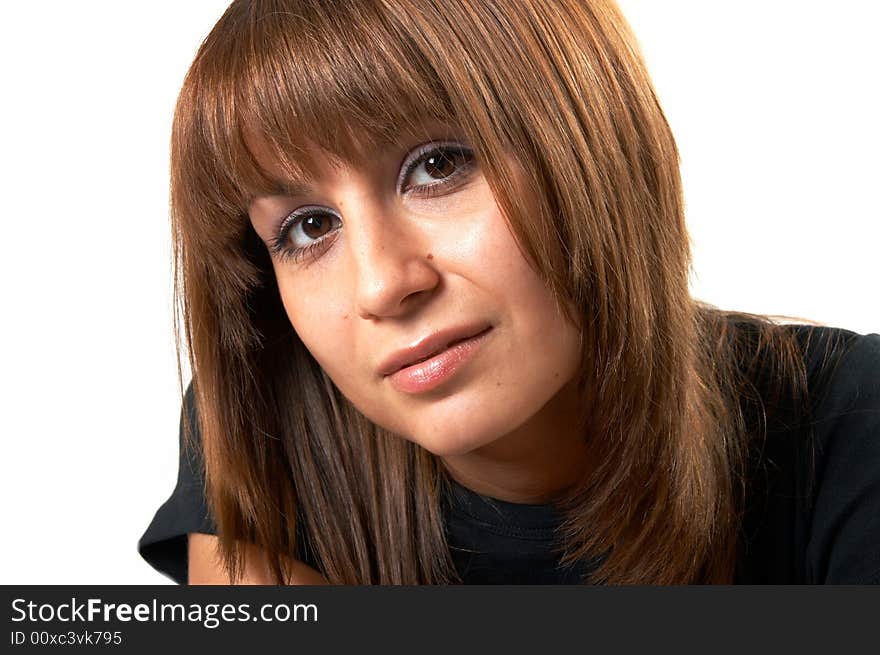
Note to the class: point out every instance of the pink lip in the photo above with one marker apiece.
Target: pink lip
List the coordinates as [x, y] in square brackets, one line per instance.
[445, 351]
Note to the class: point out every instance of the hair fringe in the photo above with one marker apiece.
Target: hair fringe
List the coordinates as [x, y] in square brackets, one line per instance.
[669, 383]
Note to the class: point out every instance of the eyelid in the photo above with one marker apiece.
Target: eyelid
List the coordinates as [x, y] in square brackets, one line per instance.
[414, 156]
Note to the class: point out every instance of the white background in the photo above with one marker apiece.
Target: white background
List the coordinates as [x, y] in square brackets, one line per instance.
[774, 104]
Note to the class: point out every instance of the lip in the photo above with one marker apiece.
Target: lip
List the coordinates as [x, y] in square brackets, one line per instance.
[434, 358]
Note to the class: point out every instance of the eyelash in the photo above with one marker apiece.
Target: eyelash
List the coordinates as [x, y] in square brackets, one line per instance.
[284, 253]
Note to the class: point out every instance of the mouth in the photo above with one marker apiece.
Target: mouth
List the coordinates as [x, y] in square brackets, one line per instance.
[430, 347]
[431, 370]
[446, 347]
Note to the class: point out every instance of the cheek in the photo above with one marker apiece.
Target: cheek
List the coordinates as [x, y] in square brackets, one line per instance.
[327, 325]
[536, 328]
[498, 265]
[321, 321]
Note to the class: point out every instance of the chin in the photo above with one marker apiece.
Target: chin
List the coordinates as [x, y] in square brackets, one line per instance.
[450, 441]
[445, 447]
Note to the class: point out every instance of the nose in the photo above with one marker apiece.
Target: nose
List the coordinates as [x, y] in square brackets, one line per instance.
[393, 267]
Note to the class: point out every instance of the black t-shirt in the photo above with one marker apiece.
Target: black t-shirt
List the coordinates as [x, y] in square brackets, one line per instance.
[813, 512]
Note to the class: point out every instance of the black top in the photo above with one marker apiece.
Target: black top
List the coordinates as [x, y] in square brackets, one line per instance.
[813, 514]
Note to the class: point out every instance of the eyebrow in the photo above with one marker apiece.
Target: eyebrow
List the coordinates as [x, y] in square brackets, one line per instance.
[289, 188]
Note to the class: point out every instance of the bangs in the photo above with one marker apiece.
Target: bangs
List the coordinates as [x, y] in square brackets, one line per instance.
[282, 78]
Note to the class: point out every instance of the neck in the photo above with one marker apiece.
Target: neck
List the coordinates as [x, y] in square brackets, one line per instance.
[534, 464]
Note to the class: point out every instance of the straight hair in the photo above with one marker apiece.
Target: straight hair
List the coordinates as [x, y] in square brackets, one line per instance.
[559, 88]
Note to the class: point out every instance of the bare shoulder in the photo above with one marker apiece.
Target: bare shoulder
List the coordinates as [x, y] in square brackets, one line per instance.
[205, 567]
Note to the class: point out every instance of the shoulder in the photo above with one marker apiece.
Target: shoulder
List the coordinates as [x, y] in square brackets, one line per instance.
[164, 544]
[814, 481]
[843, 378]
[843, 370]
[840, 362]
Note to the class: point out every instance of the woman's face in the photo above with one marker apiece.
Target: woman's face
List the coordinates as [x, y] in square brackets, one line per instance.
[398, 259]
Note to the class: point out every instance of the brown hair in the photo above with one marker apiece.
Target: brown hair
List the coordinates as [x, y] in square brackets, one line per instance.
[560, 85]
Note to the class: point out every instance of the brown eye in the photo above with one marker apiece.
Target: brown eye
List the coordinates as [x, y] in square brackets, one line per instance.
[316, 226]
[304, 229]
[434, 167]
[440, 165]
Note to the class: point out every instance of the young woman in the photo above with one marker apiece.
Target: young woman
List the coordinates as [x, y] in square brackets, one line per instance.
[433, 270]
